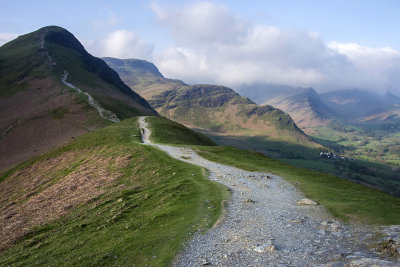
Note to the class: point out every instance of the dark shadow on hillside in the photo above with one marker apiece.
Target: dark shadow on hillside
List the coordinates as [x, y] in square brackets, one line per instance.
[271, 148]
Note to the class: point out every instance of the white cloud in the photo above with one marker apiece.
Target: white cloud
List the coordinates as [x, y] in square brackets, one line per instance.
[380, 67]
[215, 46]
[201, 23]
[6, 37]
[120, 44]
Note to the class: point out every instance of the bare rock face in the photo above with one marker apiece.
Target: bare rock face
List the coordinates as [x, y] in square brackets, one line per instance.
[306, 201]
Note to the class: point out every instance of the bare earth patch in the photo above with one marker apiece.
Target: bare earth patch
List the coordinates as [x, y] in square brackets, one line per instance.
[44, 197]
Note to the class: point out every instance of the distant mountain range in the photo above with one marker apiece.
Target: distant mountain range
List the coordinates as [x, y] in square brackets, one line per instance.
[357, 105]
[52, 90]
[310, 109]
[212, 109]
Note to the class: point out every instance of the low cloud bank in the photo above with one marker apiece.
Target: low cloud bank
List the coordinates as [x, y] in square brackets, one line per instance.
[214, 45]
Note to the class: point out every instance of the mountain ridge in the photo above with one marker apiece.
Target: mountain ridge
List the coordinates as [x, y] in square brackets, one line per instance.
[40, 111]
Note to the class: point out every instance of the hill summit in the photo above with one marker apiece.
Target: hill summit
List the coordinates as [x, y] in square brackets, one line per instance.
[52, 89]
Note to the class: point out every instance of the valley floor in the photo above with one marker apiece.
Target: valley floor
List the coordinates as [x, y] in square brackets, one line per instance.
[264, 226]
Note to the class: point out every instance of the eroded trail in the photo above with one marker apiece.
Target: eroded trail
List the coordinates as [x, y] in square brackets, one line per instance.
[265, 227]
[106, 114]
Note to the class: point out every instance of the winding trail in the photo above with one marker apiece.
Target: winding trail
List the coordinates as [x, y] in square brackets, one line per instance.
[265, 227]
[106, 114]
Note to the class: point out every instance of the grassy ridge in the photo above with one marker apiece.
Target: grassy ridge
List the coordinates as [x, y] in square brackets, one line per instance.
[345, 200]
[142, 218]
[165, 131]
[20, 62]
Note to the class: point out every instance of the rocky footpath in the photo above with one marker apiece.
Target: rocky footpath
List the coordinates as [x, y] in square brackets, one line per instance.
[269, 223]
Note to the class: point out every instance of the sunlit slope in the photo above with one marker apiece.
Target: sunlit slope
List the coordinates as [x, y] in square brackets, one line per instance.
[104, 199]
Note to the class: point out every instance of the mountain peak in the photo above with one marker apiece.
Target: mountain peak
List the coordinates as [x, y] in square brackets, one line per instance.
[134, 64]
[62, 37]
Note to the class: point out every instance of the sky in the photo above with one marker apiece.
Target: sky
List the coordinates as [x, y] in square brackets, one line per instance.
[327, 45]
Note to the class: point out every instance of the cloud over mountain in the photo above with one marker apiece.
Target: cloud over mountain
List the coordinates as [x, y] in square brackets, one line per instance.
[214, 45]
[120, 44]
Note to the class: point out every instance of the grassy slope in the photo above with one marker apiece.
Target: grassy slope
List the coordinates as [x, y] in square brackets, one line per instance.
[21, 62]
[345, 200]
[93, 75]
[142, 218]
[165, 131]
[229, 119]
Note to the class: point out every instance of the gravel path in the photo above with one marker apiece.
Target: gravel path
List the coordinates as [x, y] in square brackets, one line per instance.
[265, 227]
[106, 114]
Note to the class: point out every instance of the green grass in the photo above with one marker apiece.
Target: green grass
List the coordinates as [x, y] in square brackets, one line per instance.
[345, 200]
[375, 175]
[165, 131]
[143, 219]
[20, 61]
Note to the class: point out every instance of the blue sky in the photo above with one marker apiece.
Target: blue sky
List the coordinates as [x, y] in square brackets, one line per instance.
[368, 22]
[306, 43]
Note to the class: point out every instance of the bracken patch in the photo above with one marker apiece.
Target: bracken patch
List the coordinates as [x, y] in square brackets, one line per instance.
[44, 197]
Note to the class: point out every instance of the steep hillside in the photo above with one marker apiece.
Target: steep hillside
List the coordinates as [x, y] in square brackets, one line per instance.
[52, 90]
[220, 112]
[102, 200]
[305, 107]
[220, 109]
[142, 76]
[231, 119]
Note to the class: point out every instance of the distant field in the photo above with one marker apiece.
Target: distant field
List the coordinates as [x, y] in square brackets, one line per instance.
[378, 142]
[104, 199]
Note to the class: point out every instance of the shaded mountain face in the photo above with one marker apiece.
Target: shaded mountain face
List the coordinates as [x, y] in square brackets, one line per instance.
[51, 90]
[142, 76]
[358, 104]
[304, 105]
[212, 109]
